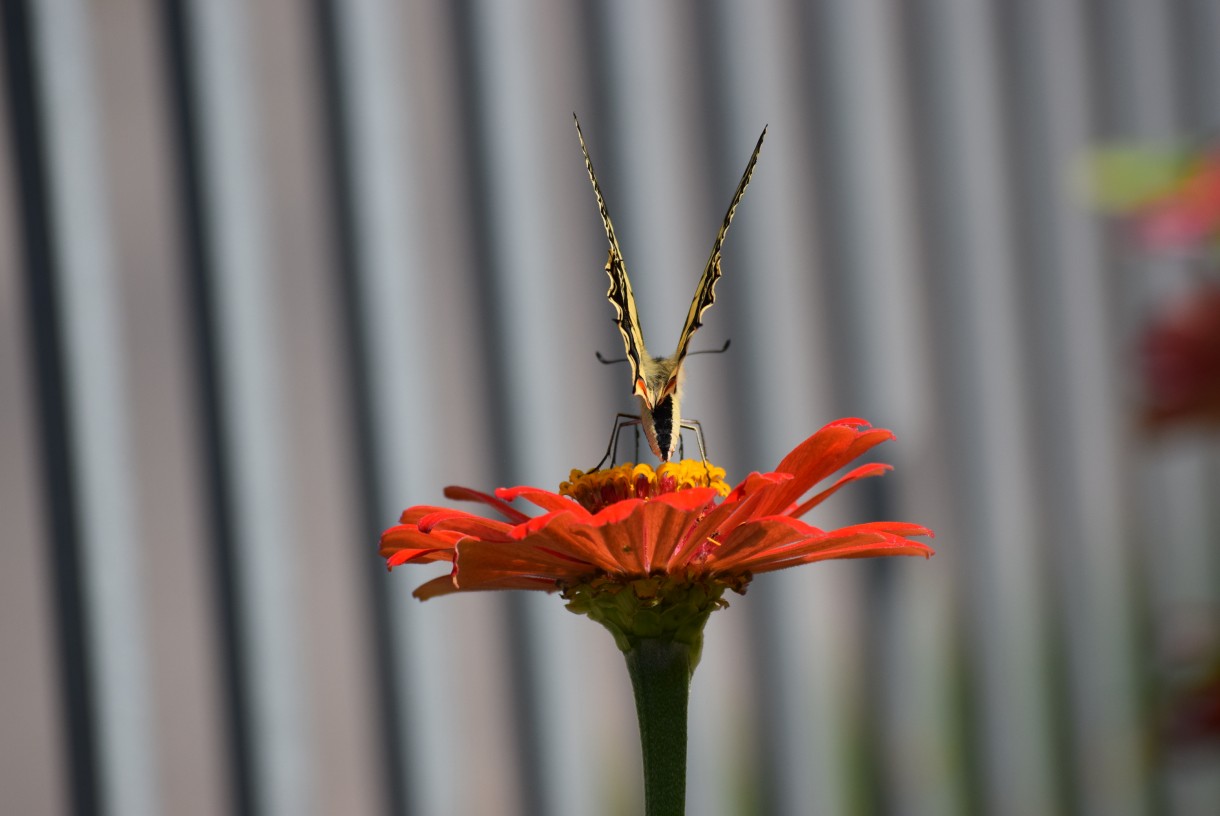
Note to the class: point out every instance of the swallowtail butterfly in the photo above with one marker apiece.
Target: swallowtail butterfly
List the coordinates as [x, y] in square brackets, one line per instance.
[657, 381]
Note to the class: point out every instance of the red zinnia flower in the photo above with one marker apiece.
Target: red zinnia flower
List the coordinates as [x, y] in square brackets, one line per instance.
[649, 556]
[660, 533]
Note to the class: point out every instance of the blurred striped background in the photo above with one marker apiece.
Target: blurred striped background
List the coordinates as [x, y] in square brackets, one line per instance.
[272, 271]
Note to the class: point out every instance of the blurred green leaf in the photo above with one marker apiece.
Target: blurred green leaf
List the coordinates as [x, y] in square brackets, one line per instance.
[1123, 178]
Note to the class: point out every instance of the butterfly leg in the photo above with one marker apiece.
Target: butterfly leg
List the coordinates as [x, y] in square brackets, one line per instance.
[620, 421]
[693, 425]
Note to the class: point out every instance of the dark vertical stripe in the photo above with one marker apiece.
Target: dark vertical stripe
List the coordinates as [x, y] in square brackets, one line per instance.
[476, 137]
[722, 161]
[51, 389]
[1188, 88]
[198, 264]
[386, 698]
[595, 46]
[1106, 95]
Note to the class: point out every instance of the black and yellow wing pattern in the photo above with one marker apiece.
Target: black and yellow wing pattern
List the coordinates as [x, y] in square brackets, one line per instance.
[619, 294]
[705, 292]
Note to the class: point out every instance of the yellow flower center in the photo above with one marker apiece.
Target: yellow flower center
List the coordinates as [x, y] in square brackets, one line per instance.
[601, 488]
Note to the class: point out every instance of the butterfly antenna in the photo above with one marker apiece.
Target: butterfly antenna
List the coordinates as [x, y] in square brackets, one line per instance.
[720, 350]
[604, 361]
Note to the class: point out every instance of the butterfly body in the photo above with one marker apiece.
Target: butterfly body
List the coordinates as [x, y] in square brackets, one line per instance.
[657, 381]
[660, 404]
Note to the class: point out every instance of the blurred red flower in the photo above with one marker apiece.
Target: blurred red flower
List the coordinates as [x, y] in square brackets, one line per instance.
[1181, 361]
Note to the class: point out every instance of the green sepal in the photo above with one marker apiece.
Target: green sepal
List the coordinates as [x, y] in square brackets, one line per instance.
[659, 607]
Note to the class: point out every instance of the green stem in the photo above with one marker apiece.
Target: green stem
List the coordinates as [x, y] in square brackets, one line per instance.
[660, 675]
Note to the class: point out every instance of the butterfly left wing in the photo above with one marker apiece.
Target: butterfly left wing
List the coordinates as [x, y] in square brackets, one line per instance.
[619, 294]
[705, 292]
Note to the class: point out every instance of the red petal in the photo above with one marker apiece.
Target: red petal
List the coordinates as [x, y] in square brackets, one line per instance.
[647, 538]
[781, 541]
[755, 482]
[761, 535]
[674, 537]
[820, 455]
[548, 501]
[426, 522]
[748, 501]
[585, 539]
[513, 582]
[537, 524]
[624, 538]
[897, 528]
[467, 494]
[417, 556]
[412, 515]
[482, 564]
[442, 585]
[408, 536]
[740, 506]
[881, 549]
[468, 525]
[614, 512]
[862, 472]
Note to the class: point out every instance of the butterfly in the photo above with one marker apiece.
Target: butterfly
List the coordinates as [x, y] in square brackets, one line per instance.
[657, 381]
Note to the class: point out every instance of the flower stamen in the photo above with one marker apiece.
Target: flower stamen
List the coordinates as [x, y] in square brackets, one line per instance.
[599, 489]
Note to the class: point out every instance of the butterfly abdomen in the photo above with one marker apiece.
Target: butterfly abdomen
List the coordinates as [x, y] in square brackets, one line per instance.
[664, 427]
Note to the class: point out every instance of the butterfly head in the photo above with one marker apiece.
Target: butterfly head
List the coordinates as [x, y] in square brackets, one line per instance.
[659, 378]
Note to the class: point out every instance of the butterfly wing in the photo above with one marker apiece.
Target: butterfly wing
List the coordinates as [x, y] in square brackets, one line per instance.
[705, 292]
[619, 294]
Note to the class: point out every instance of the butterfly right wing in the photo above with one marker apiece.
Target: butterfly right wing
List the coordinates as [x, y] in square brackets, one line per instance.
[620, 295]
[705, 292]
